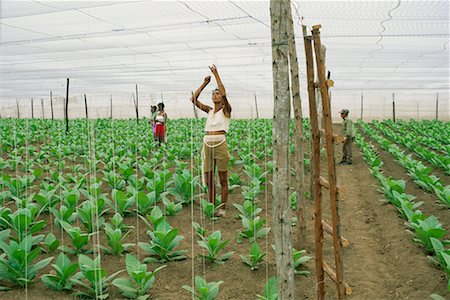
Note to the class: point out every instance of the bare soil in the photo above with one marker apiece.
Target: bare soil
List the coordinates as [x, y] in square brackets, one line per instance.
[382, 261]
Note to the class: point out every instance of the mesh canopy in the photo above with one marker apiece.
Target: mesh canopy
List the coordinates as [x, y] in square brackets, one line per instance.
[106, 47]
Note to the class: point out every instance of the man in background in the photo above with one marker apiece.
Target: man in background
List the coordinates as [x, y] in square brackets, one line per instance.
[347, 132]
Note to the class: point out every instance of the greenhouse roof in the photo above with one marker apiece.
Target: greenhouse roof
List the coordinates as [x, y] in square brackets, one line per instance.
[106, 47]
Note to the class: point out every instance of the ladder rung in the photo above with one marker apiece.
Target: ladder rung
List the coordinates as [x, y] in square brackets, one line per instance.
[332, 275]
[337, 139]
[323, 182]
[329, 229]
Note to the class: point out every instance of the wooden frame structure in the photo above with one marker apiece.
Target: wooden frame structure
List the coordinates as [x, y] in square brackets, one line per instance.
[320, 182]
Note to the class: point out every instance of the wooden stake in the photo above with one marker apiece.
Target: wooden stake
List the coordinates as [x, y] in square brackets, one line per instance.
[256, 106]
[437, 105]
[298, 132]
[111, 107]
[42, 107]
[137, 104]
[316, 194]
[51, 103]
[362, 105]
[393, 107]
[32, 108]
[334, 198]
[193, 106]
[18, 110]
[281, 175]
[66, 108]
[85, 106]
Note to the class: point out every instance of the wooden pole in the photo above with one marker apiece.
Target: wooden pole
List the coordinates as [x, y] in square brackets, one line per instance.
[334, 199]
[393, 107]
[137, 104]
[32, 108]
[111, 107]
[51, 103]
[193, 106]
[280, 192]
[437, 105]
[66, 108]
[362, 105]
[316, 194]
[256, 106]
[42, 108]
[298, 130]
[18, 110]
[85, 106]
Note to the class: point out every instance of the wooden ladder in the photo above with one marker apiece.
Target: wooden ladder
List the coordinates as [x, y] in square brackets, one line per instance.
[319, 182]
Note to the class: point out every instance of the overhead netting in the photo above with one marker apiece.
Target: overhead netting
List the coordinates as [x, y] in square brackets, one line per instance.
[106, 47]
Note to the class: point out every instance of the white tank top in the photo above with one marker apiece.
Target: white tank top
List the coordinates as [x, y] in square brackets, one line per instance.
[217, 121]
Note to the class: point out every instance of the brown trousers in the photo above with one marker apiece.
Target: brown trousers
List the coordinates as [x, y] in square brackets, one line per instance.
[347, 150]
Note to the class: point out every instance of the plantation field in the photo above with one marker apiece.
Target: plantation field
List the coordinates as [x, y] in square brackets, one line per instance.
[105, 189]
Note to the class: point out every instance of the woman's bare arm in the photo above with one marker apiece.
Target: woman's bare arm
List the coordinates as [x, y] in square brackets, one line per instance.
[221, 88]
[196, 94]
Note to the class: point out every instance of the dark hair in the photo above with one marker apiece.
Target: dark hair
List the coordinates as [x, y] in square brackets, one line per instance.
[161, 105]
[216, 89]
[153, 107]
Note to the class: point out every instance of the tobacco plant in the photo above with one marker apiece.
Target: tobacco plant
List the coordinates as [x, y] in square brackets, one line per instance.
[63, 270]
[139, 280]
[204, 290]
[213, 244]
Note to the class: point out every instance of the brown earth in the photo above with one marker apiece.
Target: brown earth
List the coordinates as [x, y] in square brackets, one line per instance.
[382, 261]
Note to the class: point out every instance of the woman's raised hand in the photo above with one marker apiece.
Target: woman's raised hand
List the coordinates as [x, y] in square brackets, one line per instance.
[207, 79]
[213, 69]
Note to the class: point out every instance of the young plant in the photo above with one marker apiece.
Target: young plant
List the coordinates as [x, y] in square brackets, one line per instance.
[248, 209]
[63, 269]
[255, 257]
[270, 290]
[121, 202]
[92, 279]
[185, 187]
[214, 245]
[145, 202]
[137, 285]
[114, 238]
[171, 208]
[426, 229]
[90, 214]
[16, 262]
[63, 215]
[117, 222]
[78, 240]
[162, 243]
[253, 229]
[51, 243]
[209, 209]
[205, 290]
[299, 259]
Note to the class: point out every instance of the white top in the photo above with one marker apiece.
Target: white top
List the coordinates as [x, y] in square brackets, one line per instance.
[217, 121]
[159, 119]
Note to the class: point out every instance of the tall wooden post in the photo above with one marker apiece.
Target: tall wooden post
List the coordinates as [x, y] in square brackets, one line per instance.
[66, 108]
[280, 192]
[193, 106]
[32, 108]
[111, 107]
[437, 105]
[334, 198]
[51, 103]
[42, 108]
[393, 107]
[85, 106]
[256, 106]
[137, 104]
[298, 133]
[362, 105]
[18, 110]
[316, 194]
